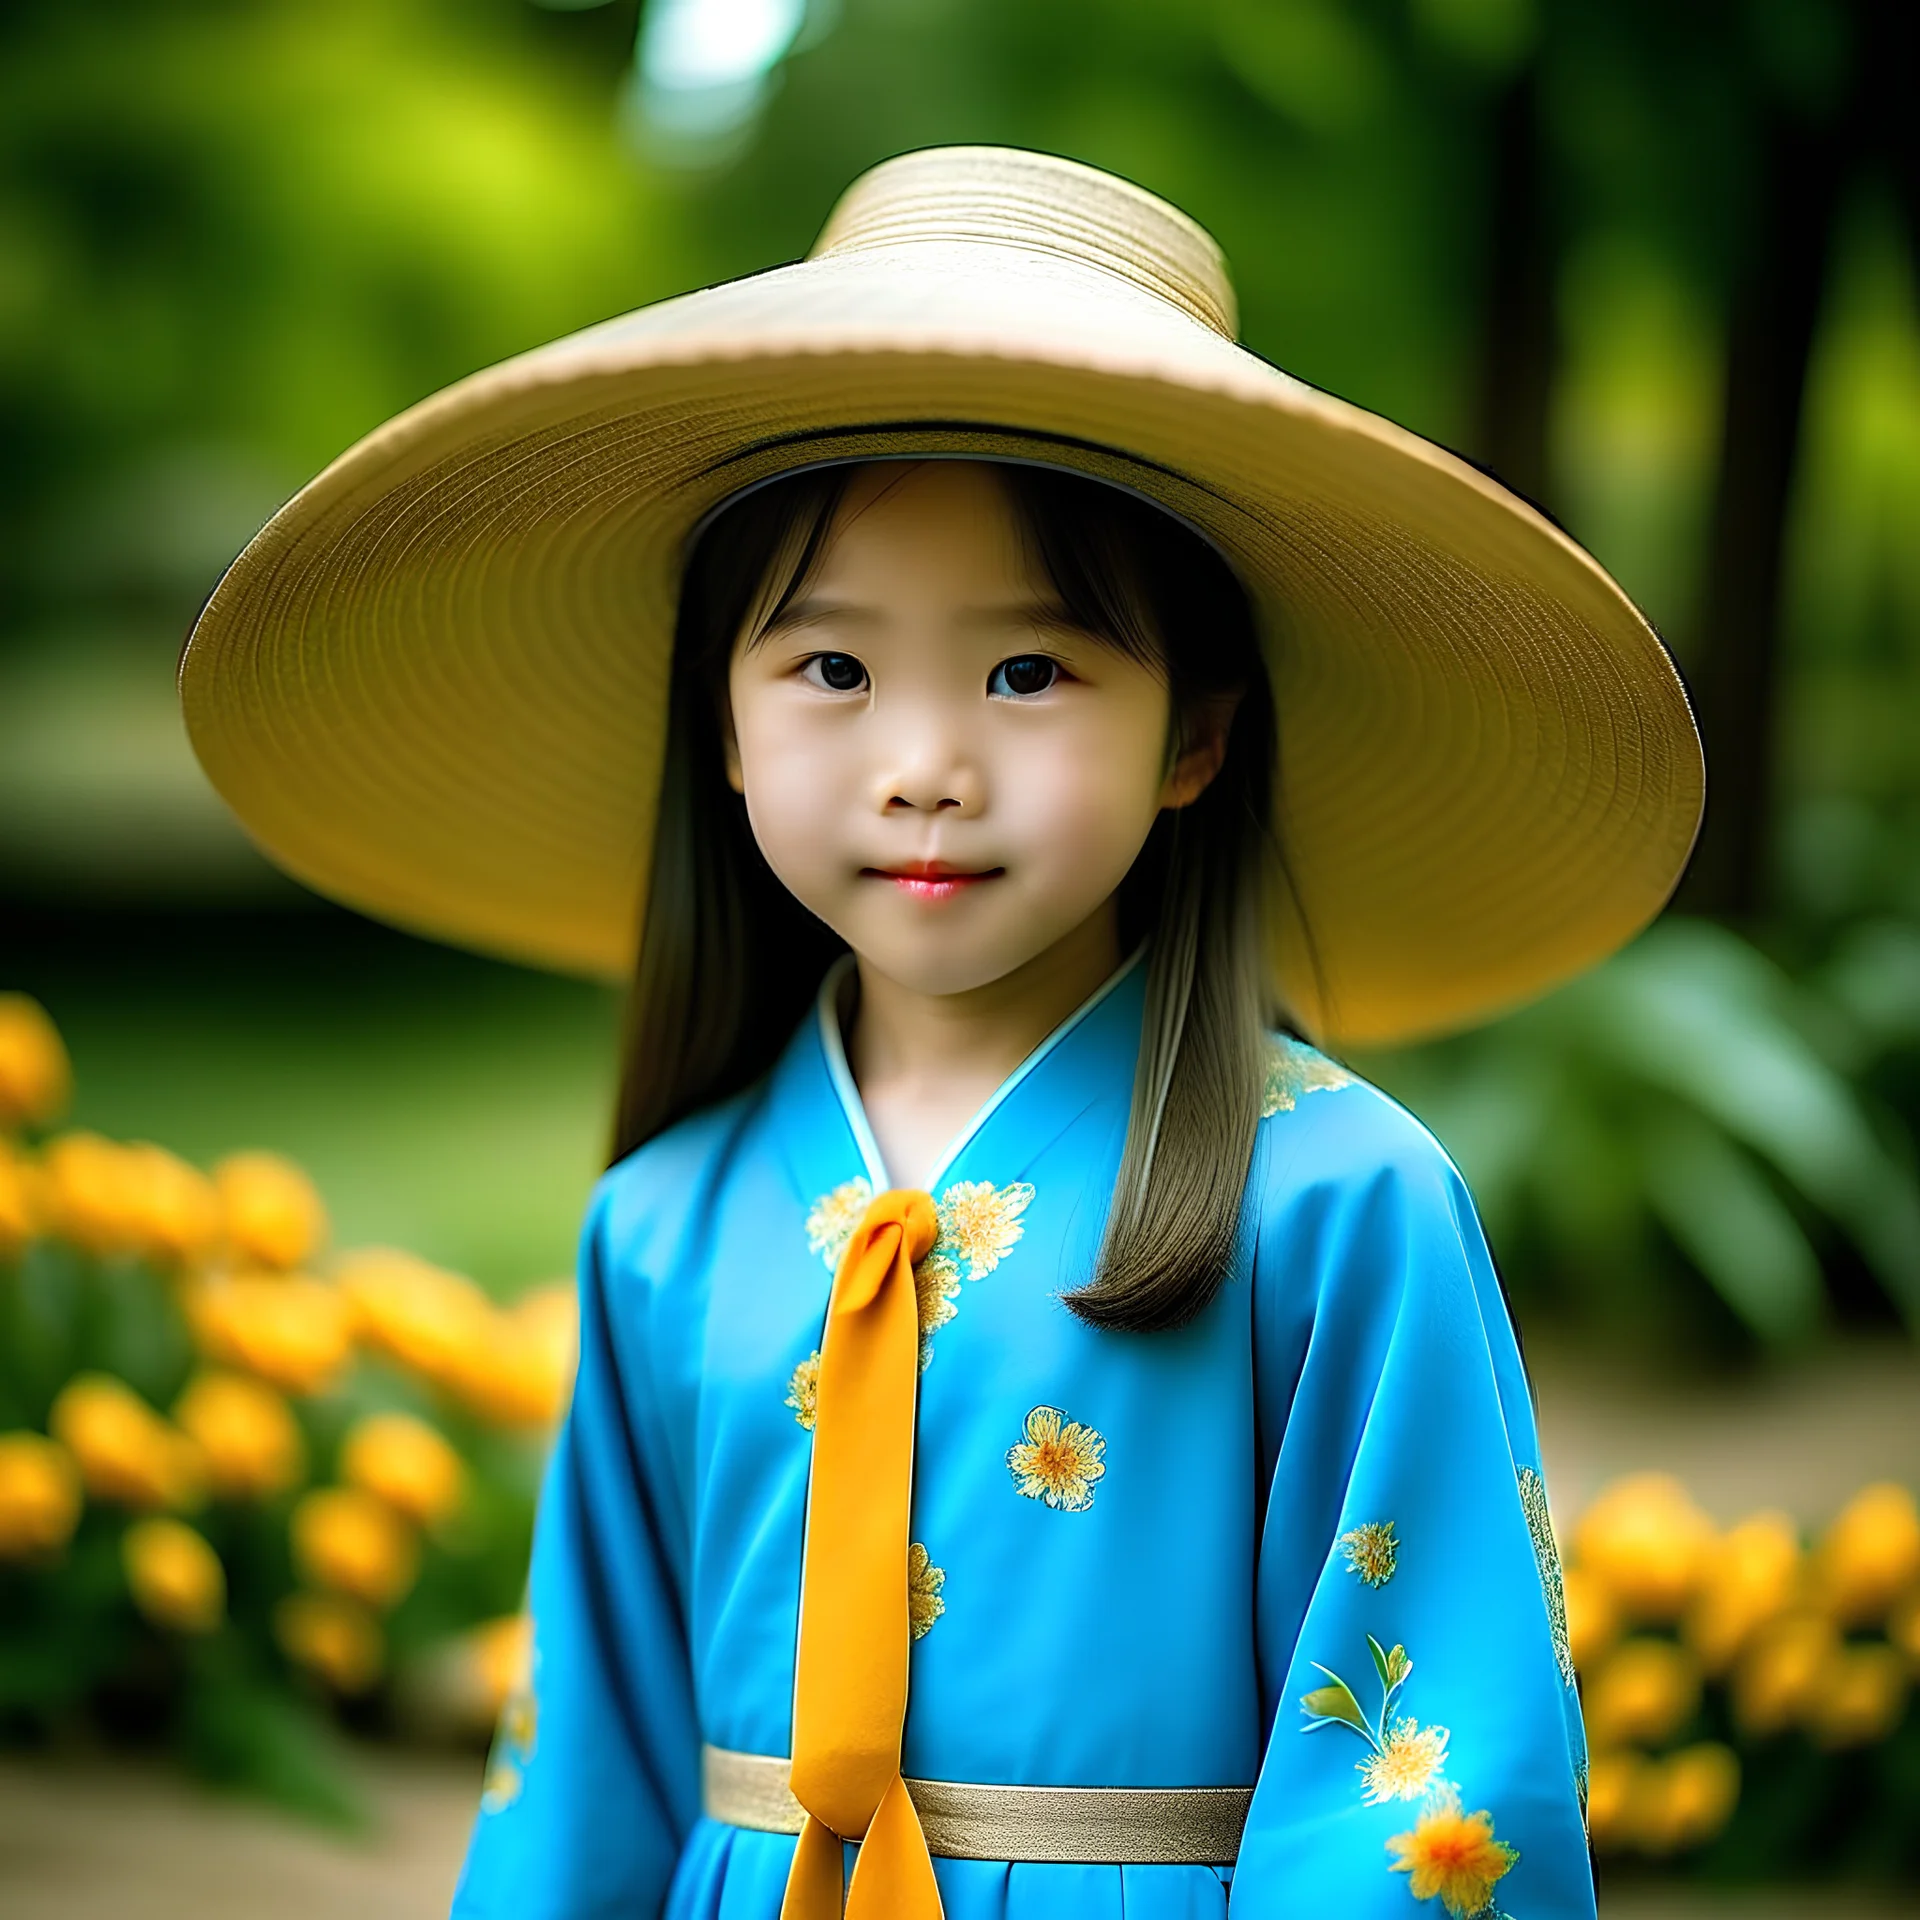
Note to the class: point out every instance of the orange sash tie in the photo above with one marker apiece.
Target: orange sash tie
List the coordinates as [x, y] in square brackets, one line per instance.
[850, 1680]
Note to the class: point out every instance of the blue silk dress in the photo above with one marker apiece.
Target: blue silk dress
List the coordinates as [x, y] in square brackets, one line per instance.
[1198, 1558]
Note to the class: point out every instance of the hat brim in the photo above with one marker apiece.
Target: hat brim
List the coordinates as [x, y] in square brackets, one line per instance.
[434, 687]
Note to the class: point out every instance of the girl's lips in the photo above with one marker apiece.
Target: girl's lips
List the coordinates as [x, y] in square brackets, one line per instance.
[931, 881]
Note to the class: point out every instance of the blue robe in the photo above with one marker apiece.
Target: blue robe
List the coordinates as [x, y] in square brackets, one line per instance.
[1135, 1555]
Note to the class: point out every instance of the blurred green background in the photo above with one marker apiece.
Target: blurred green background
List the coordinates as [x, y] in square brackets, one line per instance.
[1653, 264]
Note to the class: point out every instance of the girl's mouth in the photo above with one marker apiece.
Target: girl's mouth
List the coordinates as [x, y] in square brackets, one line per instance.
[931, 880]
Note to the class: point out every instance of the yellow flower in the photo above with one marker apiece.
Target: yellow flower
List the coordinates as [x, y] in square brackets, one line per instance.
[518, 1368]
[500, 1654]
[833, 1217]
[288, 1328]
[1683, 1800]
[348, 1540]
[434, 1322]
[1752, 1575]
[1058, 1461]
[1903, 1629]
[1642, 1692]
[980, 1223]
[85, 1192]
[176, 1579]
[1294, 1069]
[39, 1496]
[19, 1200]
[1372, 1551]
[409, 1464]
[803, 1391]
[336, 1639]
[272, 1215]
[1407, 1766]
[924, 1581]
[1452, 1856]
[1593, 1621]
[36, 1079]
[1869, 1555]
[1613, 1792]
[1647, 1540]
[246, 1433]
[1779, 1675]
[1861, 1697]
[127, 1454]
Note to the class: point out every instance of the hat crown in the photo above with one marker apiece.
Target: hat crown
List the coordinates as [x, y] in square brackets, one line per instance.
[1004, 196]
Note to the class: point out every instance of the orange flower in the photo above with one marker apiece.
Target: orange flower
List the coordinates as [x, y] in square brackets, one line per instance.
[336, 1639]
[176, 1579]
[1643, 1691]
[84, 1192]
[430, 1320]
[1869, 1555]
[407, 1463]
[126, 1452]
[1593, 1621]
[1781, 1671]
[1647, 1540]
[1613, 1786]
[296, 1332]
[354, 1543]
[519, 1370]
[108, 1197]
[1861, 1698]
[245, 1431]
[19, 1200]
[36, 1079]
[272, 1214]
[1452, 1856]
[39, 1496]
[1752, 1575]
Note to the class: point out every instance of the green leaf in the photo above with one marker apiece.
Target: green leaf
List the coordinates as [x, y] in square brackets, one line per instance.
[1379, 1661]
[1335, 1702]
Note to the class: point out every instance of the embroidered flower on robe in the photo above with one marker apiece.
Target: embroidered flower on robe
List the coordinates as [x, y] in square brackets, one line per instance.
[1533, 1503]
[1293, 1069]
[513, 1744]
[936, 1286]
[980, 1224]
[1058, 1462]
[1407, 1764]
[833, 1217]
[803, 1391]
[1452, 1856]
[924, 1581]
[1372, 1551]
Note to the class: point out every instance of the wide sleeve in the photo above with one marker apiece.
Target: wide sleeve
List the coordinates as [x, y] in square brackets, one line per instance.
[594, 1779]
[1424, 1749]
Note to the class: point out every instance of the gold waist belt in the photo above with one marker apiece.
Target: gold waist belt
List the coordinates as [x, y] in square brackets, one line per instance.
[1128, 1826]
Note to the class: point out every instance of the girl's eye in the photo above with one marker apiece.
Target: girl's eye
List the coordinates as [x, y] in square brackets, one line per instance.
[1023, 676]
[836, 672]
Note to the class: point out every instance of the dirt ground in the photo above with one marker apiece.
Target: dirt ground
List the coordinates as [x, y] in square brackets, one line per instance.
[114, 1842]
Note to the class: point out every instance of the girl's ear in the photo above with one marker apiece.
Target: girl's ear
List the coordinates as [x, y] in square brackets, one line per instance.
[1203, 747]
[730, 744]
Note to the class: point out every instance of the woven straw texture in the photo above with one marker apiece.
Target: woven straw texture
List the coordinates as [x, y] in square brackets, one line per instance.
[434, 686]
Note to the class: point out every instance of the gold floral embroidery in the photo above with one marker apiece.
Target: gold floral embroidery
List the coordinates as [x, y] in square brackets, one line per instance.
[980, 1223]
[1372, 1551]
[924, 1581]
[936, 1285]
[1294, 1069]
[1533, 1503]
[513, 1744]
[833, 1217]
[1452, 1856]
[803, 1391]
[1058, 1462]
[1408, 1763]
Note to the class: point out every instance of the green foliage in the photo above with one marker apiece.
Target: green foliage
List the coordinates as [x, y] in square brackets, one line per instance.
[1685, 1098]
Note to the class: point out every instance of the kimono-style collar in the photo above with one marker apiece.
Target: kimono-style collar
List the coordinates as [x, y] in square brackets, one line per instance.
[833, 1048]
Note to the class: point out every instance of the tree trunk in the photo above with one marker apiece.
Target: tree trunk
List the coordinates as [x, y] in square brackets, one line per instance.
[1776, 303]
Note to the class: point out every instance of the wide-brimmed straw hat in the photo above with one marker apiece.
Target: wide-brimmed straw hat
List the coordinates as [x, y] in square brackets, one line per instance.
[434, 686]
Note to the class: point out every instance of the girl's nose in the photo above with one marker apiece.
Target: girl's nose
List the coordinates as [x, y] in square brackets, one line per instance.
[928, 776]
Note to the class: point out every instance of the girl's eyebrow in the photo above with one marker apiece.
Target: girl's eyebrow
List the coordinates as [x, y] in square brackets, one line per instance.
[812, 610]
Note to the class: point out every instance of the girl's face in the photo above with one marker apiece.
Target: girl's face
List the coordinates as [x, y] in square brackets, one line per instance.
[937, 766]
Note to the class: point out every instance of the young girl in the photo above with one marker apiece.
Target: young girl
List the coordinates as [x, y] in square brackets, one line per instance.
[1038, 1419]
